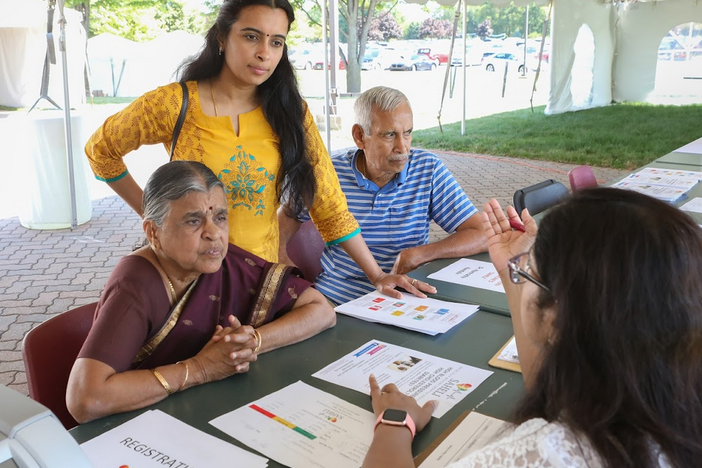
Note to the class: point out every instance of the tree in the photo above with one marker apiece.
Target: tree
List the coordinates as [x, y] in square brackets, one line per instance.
[412, 31]
[508, 20]
[435, 29]
[383, 28]
[356, 17]
[484, 29]
[142, 19]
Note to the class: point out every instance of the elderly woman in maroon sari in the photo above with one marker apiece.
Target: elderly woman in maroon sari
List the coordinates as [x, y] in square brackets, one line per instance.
[171, 314]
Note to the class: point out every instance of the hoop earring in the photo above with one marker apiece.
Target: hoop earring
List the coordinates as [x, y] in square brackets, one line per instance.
[220, 51]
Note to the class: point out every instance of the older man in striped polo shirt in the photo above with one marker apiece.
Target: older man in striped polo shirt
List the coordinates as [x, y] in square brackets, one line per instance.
[394, 192]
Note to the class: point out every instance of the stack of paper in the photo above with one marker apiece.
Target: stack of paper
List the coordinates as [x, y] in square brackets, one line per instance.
[473, 433]
[419, 375]
[154, 440]
[664, 184]
[429, 316]
[301, 426]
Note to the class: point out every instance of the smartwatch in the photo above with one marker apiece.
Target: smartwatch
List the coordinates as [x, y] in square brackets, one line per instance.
[394, 417]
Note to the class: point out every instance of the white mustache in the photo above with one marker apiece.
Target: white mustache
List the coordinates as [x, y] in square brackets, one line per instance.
[399, 157]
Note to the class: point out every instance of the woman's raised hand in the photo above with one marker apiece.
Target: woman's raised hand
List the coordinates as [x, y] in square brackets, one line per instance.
[504, 242]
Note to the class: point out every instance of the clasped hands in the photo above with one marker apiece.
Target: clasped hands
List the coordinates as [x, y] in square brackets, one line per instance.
[229, 351]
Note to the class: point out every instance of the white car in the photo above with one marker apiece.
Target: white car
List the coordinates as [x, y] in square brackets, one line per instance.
[304, 58]
[498, 62]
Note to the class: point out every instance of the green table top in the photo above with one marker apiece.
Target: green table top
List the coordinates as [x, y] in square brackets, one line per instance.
[489, 301]
[678, 157]
[473, 342]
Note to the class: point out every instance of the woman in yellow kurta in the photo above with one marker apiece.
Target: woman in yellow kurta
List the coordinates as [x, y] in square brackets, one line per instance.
[248, 123]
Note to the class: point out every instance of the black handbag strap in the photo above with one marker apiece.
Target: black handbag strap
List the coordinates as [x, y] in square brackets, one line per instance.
[181, 118]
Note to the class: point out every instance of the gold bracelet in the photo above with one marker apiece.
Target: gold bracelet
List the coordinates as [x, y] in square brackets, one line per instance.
[163, 381]
[187, 373]
[258, 338]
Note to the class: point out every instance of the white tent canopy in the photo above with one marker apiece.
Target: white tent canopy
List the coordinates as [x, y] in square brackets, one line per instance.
[120, 67]
[621, 42]
[23, 47]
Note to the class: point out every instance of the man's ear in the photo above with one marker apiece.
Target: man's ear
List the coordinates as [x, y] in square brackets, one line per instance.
[358, 136]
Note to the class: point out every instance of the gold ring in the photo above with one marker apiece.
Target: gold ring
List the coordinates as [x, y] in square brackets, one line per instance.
[414, 281]
[383, 393]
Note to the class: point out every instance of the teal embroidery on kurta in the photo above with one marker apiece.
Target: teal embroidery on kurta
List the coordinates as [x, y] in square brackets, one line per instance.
[245, 180]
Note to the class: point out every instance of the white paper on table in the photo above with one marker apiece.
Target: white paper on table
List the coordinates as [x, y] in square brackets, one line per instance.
[694, 205]
[302, 426]
[429, 316]
[473, 433]
[420, 375]
[669, 194]
[694, 147]
[469, 272]
[674, 173]
[509, 353]
[156, 439]
[685, 183]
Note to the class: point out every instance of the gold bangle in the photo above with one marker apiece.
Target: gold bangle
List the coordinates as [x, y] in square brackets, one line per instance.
[163, 381]
[187, 373]
[258, 338]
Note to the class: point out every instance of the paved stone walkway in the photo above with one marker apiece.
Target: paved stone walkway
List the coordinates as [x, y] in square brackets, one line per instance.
[44, 273]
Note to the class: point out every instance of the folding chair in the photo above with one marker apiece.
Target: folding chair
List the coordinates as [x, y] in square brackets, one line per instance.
[305, 249]
[49, 351]
[539, 197]
[581, 177]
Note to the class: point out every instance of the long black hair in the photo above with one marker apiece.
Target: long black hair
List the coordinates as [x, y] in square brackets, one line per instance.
[625, 367]
[280, 100]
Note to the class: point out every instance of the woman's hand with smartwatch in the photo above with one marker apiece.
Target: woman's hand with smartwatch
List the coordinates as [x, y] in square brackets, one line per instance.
[394, 408]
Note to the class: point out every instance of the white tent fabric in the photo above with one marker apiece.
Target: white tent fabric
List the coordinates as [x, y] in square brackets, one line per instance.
[626, 40]
[22, 51]
[120, 67]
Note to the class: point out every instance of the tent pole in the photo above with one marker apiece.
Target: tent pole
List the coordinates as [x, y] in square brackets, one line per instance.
[67, 116]
[465, 43]
[325, 64]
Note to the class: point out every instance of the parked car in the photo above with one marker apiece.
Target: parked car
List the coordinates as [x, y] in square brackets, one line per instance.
[304, 58]
[377, 59]
[413, 62]
[502, 59]
[438, 57]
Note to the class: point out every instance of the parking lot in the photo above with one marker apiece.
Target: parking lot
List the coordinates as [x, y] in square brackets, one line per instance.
[424, 90]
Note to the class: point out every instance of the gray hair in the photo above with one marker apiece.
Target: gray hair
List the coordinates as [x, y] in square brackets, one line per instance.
[384, 99]
[173, 181]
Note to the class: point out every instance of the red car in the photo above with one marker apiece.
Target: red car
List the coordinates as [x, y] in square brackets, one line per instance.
[437, 57]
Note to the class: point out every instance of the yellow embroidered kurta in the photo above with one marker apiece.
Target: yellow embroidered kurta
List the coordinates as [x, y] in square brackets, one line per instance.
[248, 164]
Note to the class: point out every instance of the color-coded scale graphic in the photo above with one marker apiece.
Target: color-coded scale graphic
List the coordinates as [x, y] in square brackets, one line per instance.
[283, 421]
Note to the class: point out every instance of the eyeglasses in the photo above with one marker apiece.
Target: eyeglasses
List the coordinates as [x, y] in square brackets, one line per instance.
[519, 275]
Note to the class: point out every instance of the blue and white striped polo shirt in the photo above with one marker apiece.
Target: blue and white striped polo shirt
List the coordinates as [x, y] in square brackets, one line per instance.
[392, 218]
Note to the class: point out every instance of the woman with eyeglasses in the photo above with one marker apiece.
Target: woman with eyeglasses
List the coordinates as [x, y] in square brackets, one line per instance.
[606, 304]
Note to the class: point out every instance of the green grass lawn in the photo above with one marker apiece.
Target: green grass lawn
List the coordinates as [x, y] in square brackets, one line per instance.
[621, 136]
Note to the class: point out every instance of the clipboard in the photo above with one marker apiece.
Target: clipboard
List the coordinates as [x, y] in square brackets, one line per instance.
[500, 364]
[419, 459]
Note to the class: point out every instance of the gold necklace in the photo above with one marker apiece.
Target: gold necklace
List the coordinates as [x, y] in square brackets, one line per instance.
[170, 285]
[213, 98]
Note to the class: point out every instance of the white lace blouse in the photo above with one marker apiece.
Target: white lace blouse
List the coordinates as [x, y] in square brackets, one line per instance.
[536, 443]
